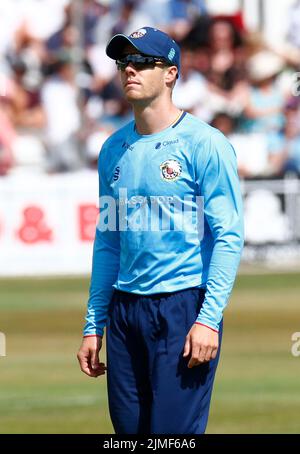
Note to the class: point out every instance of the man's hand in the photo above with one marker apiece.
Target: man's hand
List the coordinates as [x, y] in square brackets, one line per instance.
[88, 356]
[202, 344]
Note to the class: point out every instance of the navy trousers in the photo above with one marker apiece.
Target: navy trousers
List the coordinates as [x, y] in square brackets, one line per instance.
[150, 388]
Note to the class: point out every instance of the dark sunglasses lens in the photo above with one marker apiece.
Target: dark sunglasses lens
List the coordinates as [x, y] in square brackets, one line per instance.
[121, 65]
[141, 65]
[138, 61]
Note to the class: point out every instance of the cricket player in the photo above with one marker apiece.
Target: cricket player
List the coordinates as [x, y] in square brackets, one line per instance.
[160, 288]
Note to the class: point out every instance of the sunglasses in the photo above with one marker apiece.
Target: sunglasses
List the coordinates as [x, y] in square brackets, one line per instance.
[139, 61]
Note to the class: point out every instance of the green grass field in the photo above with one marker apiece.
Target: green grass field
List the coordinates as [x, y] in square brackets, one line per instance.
[257, 387]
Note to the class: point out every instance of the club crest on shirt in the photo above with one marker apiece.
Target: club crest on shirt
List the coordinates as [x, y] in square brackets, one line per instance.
[170, 170]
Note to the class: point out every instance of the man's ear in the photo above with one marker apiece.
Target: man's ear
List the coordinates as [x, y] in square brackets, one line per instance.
[171, 73]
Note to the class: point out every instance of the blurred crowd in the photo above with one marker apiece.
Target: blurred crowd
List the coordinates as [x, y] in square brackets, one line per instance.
[60, 96]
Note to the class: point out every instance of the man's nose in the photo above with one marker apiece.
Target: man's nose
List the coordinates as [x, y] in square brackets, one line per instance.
[130, 69]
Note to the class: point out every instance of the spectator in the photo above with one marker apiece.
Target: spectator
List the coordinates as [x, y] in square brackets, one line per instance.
[190, 89]
[24, 111]
[264, 101]
[64, 39]
[158, 12]
[130, 18]
[224, 122]
[27, 111]
[92, 10]
[227, 72]
[107, 19]
[220, 56]
[183, 14]
[227, 55]
[59, 98]
[250, 149]
[284, 146]
[7, 138]
[68, 35]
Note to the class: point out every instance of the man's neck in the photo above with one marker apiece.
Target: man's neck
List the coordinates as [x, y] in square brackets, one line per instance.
[155, 117]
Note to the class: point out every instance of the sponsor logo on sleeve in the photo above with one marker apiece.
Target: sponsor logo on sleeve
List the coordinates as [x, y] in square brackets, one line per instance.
[116, 174]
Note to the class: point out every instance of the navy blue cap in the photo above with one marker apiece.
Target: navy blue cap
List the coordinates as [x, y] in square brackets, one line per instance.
[148, 41]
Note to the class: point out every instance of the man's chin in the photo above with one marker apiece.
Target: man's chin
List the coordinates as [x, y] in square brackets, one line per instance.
[133, 97]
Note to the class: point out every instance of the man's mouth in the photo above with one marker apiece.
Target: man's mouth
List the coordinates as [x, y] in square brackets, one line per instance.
[131, 82]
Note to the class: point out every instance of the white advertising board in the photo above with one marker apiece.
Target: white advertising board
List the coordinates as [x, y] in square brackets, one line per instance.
[47, 223]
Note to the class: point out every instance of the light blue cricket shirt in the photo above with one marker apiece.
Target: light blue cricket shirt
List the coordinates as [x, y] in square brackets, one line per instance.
[145, 180]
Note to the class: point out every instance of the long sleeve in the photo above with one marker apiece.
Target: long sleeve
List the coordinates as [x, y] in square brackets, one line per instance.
[223, 215]
[106, 260]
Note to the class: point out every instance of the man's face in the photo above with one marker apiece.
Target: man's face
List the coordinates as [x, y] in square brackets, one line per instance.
[142, 85]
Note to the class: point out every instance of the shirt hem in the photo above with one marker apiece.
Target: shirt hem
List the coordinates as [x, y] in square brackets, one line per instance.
[170, 289]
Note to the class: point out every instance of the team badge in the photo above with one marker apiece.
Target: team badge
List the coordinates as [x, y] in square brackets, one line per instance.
[170, 170]
[139, 33]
